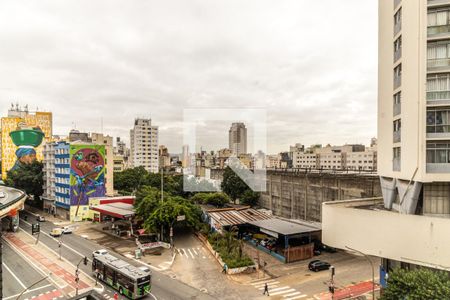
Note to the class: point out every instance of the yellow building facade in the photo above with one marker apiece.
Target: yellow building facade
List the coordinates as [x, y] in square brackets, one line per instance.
[43, 120]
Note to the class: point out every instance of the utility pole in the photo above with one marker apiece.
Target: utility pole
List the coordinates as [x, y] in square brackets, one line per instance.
[60, 245]
[162, 198]
[26, 289]
[371, 265]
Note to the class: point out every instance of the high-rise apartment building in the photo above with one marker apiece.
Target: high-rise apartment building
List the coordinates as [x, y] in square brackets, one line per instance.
[22, 118]
[237, 138]
[410, 224]
[144, 145]
[107, 141]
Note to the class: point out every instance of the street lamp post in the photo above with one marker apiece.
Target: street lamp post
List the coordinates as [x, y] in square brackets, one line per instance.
[27, 288]
[371, 265]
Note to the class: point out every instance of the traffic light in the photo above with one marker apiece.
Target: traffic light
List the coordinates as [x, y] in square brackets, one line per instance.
[85, 261]
[35, 228]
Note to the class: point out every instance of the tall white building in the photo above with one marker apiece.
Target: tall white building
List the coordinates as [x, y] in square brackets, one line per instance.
[410, 224]
[237, 138]
[144, 145]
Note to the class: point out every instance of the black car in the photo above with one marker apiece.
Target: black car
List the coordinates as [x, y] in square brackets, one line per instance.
[318, 265]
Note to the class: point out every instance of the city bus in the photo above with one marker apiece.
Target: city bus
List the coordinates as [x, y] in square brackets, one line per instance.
[129, 280]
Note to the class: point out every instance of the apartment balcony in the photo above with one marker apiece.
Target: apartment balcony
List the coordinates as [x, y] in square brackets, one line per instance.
[436, 98]
[440, 31]
[397, 82]
[364, 225]
[397, 136]
[396, 165]
[397, 109]
[438, 65]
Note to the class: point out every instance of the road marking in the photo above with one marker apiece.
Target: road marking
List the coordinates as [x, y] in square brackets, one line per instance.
[277, 289]
[270, 287]
[298, 297]
[282, 292]
[262, 281]
[191, 253]
[179, 251]
[29, 291]
[293, 294]
[14, 275]
[68, 261]
[268, 283]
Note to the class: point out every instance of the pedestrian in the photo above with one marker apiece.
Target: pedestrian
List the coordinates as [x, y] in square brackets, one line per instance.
[225, 268]
[266, 289]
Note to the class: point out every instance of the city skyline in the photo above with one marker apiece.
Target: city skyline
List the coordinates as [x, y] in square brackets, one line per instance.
[311, 94]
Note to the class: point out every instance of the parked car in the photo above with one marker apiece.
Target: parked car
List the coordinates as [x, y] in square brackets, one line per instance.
[99, 252]
[2, 195]
[318, 265]
[40, 218]
[56, 232]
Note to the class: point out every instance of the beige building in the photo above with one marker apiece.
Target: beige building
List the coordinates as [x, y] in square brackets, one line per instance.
[237, 139]
[101, 139]
[410, 224]
[164, 157]
[119, 163]
[144, 145]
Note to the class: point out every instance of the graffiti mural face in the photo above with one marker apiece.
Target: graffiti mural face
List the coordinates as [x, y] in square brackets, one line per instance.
[26, 139]
[87, 173]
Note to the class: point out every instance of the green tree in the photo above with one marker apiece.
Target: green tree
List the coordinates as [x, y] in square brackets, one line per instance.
[249, 197]
[147, 200]
[165, 214]
[232, 184]
[28, 178]
[417, 284]
[129, 180]
[216, 199]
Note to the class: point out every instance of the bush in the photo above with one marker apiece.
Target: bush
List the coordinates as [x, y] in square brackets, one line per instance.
[232, 258]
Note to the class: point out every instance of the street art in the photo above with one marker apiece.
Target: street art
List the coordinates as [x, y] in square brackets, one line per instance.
[26, 139]
[87, 174]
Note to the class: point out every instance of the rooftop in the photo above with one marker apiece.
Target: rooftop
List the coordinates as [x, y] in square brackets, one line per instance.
[284, 227]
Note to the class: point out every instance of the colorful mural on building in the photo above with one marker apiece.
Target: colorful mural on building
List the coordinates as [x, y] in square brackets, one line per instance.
[87, 174]
[22, 136]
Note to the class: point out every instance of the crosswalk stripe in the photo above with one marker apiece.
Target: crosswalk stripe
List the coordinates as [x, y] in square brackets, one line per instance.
[293, 294]
[270, 287]
[179, 252]
[279, 289]
[194, 251]
[298, 297]
[283, 292]
[191, 253]
[262, 281]
[185, 253]
[269, 284]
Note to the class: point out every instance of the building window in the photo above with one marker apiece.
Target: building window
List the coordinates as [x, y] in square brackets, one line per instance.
[397, 76]
[438, 121]
[438, 152]
[438, 87]
[398, 21]
[397, 103]
[396, 153]
[397, 48]
[397, 130]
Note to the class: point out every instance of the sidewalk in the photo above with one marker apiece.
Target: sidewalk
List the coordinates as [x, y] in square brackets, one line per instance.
[45, 261]
[351, 291]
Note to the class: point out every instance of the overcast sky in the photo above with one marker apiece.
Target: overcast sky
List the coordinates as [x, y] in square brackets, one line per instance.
[311, 64]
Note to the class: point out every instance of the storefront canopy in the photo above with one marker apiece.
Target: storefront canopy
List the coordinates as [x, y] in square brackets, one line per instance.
[116, 210]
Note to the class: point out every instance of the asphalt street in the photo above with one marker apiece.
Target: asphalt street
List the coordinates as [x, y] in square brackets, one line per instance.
[75, 248]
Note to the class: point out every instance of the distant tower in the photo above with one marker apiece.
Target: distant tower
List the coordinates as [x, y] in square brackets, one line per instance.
[144, 145]
[237, 138]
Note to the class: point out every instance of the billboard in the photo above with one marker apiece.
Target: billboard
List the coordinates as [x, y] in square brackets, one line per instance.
[87, 174]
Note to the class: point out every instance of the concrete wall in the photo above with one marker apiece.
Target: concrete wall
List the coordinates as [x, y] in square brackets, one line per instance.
[300, 195]
[414, 239]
